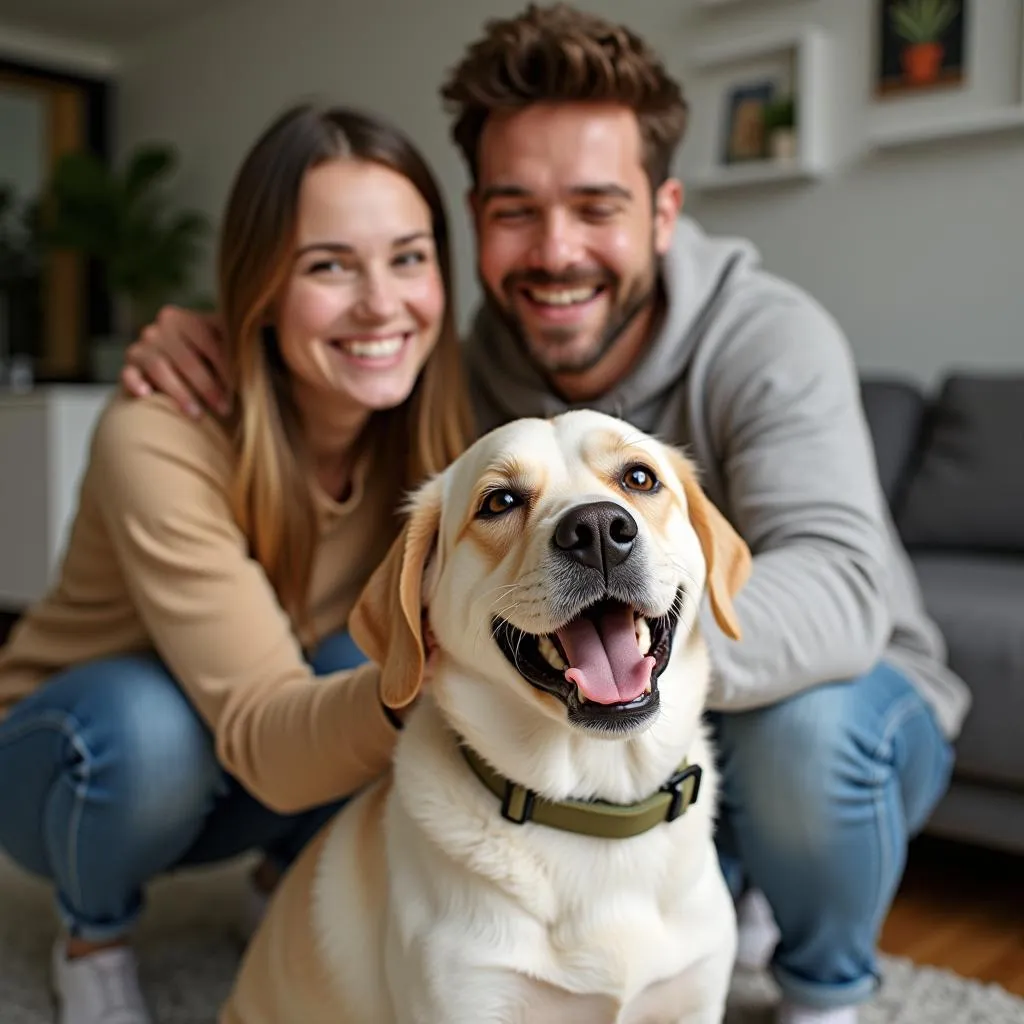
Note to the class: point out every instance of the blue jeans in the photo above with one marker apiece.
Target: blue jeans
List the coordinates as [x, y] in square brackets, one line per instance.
[820, 796]
[111, 779]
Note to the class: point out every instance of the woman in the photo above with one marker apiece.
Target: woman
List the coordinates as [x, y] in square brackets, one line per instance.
[158, 707]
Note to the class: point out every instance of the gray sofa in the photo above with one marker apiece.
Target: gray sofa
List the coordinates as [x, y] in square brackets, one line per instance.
[951, 462]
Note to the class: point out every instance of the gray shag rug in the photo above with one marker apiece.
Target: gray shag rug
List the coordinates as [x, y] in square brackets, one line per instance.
[188, 948]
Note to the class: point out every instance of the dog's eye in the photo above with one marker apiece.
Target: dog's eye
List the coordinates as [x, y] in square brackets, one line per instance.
[498, 502]
[639, 478]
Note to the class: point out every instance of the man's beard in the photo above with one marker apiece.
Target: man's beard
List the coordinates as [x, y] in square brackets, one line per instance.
[545, 352]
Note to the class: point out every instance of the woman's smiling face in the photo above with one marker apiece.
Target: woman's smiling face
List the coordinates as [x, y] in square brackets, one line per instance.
[363, 305]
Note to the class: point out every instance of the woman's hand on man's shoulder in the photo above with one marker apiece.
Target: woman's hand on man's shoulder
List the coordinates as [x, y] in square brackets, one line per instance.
[181, 355]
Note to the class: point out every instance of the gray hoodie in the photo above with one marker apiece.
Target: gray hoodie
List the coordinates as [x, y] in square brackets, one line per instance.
[756, 382]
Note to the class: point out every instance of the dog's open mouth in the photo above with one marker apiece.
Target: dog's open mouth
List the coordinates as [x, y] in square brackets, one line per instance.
[603, 665]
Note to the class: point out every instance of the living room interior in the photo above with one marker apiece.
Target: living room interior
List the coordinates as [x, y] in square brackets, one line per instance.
[884, 182]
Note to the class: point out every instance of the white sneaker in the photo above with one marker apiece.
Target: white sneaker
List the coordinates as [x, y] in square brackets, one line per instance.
[793, 1013]
[101, 988]
[758, 932]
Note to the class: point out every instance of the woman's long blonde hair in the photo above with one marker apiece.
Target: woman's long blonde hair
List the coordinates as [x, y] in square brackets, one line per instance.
[272, 497]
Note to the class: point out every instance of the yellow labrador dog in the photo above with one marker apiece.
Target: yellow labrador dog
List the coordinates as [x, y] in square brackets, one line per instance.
[541, 851]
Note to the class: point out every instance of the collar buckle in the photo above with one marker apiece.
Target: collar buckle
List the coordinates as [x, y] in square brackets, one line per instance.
[517, 803]
[683, 786]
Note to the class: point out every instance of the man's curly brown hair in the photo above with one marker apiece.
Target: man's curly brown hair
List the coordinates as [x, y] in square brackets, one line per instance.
[558, 54]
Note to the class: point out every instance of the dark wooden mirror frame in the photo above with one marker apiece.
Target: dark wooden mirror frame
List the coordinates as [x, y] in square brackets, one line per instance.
[75, 303]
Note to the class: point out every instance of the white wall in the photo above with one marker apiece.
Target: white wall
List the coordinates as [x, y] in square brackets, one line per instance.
[918, 253]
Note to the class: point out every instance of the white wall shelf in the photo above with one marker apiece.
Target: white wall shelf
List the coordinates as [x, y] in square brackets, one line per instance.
[939, 129]
[759, 172]
[808, 47]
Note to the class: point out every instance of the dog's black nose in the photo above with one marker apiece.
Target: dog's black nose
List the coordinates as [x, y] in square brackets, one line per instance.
[599, 534]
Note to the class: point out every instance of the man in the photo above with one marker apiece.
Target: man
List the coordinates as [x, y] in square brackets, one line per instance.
[834, 715]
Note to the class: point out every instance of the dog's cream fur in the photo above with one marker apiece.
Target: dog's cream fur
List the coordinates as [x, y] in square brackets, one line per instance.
[419, 902]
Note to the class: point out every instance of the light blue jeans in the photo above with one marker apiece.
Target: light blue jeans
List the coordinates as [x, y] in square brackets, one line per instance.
[110, 779]
[821, 794]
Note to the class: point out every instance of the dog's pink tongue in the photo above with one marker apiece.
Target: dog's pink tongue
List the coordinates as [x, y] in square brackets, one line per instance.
[605, 662]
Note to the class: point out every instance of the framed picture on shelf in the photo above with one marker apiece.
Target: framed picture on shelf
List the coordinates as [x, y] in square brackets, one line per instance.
[743, 133]
[921, 45]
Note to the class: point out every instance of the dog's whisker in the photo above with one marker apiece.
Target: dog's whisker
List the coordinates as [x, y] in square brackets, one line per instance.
[679, 567]
[502, 589]
[499, 613]
[513, 601]
[502, 611]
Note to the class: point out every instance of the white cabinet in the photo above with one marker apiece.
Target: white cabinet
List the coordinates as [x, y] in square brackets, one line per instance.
[44, 445]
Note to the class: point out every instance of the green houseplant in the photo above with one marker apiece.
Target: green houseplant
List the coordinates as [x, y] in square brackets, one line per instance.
[124, 219]
[780, 124]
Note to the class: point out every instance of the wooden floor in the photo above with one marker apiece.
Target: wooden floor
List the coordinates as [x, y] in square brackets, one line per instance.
[962, 908]
[959, 907]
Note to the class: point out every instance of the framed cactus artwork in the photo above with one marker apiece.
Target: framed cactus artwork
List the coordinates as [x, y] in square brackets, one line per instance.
[921, 45]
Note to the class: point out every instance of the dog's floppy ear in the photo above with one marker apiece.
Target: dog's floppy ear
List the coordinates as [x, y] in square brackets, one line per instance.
[726, 553]
[387, 620]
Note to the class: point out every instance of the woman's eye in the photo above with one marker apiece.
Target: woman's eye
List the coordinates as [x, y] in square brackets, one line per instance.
[327, 267]
[639, 478]
[498, 502]
[410, 259]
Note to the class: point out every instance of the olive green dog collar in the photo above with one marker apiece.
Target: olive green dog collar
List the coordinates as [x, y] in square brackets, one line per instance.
[590, 817]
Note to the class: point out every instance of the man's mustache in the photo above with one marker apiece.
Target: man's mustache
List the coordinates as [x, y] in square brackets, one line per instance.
[569, 279]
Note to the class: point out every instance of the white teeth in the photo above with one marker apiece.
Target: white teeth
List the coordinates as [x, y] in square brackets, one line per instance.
[562, 297]
[378, 348]
[643, 636]
[550, 654]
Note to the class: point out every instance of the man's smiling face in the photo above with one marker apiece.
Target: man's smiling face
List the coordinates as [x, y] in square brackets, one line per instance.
[569, 235]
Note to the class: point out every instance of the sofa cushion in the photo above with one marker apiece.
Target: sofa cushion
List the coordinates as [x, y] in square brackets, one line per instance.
[978, 603]
[895, 410]
[967, 491]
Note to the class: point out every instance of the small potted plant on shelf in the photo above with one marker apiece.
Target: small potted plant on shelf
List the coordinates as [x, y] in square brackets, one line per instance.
[921, 24]
[780, 128]
[124, 220]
